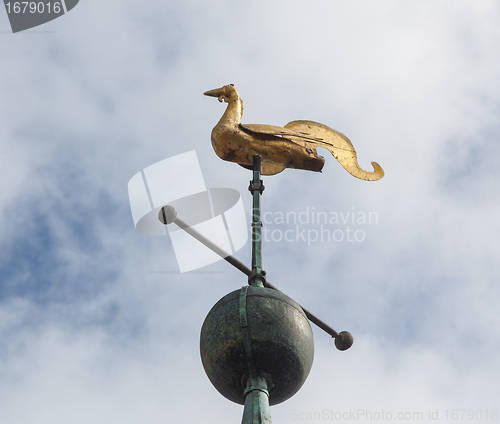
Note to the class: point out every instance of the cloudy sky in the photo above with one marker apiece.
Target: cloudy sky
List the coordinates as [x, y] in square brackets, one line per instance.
[97, 325]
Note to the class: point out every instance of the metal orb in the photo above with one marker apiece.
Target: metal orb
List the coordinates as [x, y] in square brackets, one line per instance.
[344, 340]
[281, 341]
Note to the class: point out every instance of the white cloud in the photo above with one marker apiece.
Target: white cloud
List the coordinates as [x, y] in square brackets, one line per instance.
[90, 331]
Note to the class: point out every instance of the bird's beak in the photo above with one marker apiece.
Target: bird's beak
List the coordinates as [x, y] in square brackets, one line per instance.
[213, 93]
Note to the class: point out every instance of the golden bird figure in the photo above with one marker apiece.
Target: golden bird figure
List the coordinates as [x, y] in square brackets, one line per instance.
[291, 146]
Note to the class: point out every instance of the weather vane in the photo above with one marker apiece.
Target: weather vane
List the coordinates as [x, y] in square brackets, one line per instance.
[291, 146]
[256, 343]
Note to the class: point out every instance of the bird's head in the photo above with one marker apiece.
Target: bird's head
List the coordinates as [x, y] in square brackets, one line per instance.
[224, 93]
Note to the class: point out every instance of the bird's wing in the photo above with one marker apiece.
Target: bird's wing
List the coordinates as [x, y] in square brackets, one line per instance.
[278, 131]
[339, 145]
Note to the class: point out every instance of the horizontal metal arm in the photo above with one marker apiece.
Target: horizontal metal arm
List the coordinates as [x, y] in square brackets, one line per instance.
[310, 316]
[244, 269]
[212, 246]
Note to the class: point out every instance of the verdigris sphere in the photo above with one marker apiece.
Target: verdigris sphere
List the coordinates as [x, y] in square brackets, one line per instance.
[281, 341]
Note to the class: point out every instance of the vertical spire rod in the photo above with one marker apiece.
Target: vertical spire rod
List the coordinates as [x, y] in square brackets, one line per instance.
[256, 188]
[256, 394]
[256, 409]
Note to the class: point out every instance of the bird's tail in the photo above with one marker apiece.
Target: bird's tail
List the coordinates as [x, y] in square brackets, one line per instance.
[340, 147]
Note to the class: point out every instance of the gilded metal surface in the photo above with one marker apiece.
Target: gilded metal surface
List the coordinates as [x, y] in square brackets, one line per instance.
[291, 146]
[281, 341]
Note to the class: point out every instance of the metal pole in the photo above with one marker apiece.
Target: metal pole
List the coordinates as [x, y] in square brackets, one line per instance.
[256, 188]
[256, 409]
[256, 395]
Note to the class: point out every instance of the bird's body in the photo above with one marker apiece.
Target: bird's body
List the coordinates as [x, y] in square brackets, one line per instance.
[291, 146]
